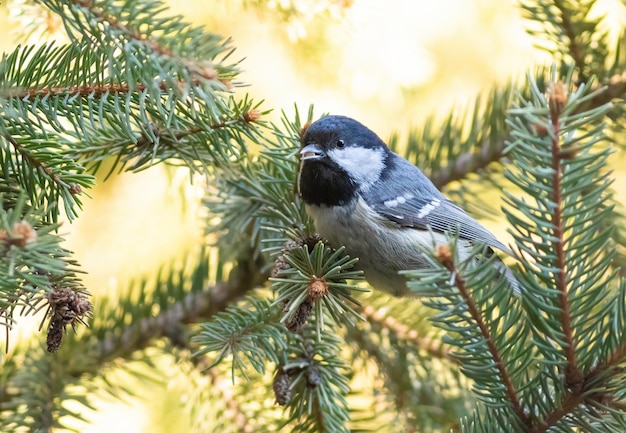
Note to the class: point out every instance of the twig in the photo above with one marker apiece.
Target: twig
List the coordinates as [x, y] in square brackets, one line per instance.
[192, 308]
[476, 315]
[473, 161]
[434, 347]
[575, 49]
[556, 101]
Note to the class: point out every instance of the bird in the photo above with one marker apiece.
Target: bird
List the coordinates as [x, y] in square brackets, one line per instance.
[378, 205]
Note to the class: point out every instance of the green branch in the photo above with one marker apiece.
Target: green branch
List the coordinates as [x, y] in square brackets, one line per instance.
[206, 72]
[201, 303]
[576, 50]
[98, 90]
[557, 98]
[433, 347]
[567, 31]
[483, 321]
[600, 378]
[479, 321]
[68, 188]
[471, 162]
[491, 148]
[563, 227]
[86, 14]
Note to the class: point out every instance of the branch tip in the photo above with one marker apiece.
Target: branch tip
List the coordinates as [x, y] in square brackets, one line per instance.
[318, 288]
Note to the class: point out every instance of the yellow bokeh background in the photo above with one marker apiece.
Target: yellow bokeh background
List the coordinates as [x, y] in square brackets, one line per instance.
[389, 64]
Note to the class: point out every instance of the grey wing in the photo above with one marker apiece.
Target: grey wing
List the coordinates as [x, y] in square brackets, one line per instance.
[437, 213]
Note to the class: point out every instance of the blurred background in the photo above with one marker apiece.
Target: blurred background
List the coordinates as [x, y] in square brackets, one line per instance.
[388, 64]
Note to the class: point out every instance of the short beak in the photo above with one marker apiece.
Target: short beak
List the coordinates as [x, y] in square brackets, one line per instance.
[311, 152]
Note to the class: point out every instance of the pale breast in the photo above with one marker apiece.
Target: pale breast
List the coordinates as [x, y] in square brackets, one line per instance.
[383, 247]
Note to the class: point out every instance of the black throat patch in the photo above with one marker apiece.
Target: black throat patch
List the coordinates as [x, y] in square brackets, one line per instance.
[323, 182]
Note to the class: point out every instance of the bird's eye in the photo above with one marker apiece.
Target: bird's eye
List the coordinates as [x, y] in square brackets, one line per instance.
[341, 143]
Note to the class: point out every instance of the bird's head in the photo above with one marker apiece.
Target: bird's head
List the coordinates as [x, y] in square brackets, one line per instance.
[339, 157]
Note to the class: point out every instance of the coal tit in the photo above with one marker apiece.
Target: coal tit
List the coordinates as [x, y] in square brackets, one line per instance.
[377, 204]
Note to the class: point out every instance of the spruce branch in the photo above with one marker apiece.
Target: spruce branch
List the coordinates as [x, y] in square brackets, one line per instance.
[562, 230]
[316, 280]
[477, 318]
[46, 174]
[484, 319]
[310, 375]
[433, 347]
[96, 90]
[117, 22]
[576, 50]
[193, 304]
[175, 107]
[596, 391]
[317, 376]
[36, 272]
[135, 119]
[565, 202]
[181, 299]
[100, 13]
[571, 33]
[557, 99]
[479, 153]
[247, 334]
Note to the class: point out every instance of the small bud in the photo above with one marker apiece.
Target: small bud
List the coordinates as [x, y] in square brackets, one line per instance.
[444, 254]
[557, 98]
[560, 92]
[318, 288]
[208, 72]
[75, 189]
[282, 387]
[22, 234]
[252, 116]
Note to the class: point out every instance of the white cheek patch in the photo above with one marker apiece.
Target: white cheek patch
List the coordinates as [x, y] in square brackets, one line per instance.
[362, 164]
[428, 208]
